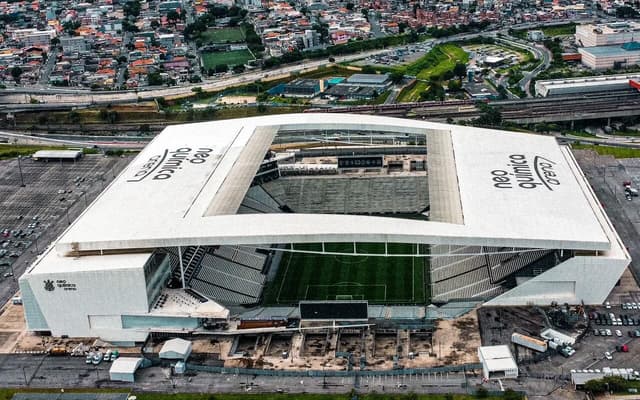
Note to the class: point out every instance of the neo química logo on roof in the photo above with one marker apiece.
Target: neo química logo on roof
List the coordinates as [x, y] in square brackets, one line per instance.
[520, 172]
[164, 165]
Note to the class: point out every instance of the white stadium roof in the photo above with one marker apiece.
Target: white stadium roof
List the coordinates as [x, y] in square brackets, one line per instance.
[184, 188]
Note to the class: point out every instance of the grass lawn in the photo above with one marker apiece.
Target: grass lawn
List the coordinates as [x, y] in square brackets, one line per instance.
[388, 280]
[224, 35]
[12, 150]
[559, 30]
[211, 59]
[617, 152]
[412, 93]
[439, 60]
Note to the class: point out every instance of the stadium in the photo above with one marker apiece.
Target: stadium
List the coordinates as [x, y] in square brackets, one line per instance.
[303, 219]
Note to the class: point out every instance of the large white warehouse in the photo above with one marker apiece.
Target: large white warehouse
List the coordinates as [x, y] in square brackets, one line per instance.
[500, 203]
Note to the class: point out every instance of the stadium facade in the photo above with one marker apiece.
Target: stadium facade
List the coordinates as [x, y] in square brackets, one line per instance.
[187, 232]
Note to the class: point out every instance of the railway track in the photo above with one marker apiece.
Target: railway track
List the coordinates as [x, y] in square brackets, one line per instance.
[565, 108]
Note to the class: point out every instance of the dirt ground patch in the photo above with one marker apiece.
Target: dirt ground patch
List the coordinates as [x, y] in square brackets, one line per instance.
[454, 342]
[236, 100]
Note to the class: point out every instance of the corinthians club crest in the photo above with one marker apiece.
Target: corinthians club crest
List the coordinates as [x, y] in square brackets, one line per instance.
[48, 285]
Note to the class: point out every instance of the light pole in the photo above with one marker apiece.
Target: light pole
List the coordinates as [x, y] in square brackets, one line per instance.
[66, 210]
[20, 169]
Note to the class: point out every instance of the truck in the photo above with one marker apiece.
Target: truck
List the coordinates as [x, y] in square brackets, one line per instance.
[567, 351]
[58, 351]
[529, 342]
[558, 337]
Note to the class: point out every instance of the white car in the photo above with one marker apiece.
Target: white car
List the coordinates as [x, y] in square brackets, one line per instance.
[618, 333]
[608, 332]
[607, 305]
[608, 355]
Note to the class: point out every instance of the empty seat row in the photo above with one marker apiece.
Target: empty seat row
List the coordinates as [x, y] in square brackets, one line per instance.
[229, 281]
[246, 256]
[230, 268]
[220, 294]
[483, 288]
[460, 281]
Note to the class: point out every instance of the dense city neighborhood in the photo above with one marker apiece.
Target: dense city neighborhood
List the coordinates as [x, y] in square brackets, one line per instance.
[118, 44]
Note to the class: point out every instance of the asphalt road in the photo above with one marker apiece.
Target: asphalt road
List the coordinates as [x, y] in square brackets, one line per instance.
[39, 371]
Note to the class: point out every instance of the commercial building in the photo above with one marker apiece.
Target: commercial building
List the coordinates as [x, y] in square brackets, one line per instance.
[176, 349]
[611, 57]
[587, 84]
[32, 37]
[73, 44]
[303, 88]
[497, 362]
[57, 155]
[124, 369]
[361, 86]
[378, 81]
[184, 235]
[591, 35]
[535, 35]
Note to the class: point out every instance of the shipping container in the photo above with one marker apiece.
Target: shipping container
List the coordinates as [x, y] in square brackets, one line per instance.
[529, 342]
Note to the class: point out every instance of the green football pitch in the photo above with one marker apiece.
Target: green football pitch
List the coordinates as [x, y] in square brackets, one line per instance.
[378, 279]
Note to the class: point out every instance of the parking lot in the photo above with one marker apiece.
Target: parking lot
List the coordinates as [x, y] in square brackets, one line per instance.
[401, 56]
[606, 176]
[38, 200]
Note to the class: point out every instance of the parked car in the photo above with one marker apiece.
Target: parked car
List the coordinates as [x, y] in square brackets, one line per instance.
[608, 355]
[618, 333]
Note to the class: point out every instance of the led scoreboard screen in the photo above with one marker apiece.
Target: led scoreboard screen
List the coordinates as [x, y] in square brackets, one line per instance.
[360, 162]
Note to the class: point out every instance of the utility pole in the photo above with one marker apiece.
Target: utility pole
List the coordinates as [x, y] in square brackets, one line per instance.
[26, 382]
[20, 169]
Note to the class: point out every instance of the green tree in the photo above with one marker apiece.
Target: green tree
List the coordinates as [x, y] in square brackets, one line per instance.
[132, 8]
[511, 394]
[71, 26]
[155, 24]
[490, 116]
[173, 16]
[155, 79]
[220, 68]
[460, 70]
[595, 386]
[397, 77]
[73, 117]
[454, 86]
[16, 72]
[368, 69]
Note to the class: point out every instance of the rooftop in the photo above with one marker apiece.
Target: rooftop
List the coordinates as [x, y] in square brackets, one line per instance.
[368, 78]
[497, 358]
[184, 188]
[609, 51]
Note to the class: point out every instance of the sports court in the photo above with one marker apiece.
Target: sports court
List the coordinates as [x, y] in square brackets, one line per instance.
[393, 279]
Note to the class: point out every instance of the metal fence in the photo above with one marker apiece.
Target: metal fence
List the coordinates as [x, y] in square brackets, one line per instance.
[327, 373]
